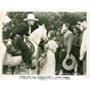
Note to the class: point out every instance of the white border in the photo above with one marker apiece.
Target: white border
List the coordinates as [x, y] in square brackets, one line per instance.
[48, 5]
[79, 83]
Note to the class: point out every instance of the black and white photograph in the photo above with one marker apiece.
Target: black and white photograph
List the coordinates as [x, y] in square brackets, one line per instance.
[44, 43]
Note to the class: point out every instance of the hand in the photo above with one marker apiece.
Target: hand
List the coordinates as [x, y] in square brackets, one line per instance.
[81, 58]
[9, 43]
[67, 56]
[46, 47]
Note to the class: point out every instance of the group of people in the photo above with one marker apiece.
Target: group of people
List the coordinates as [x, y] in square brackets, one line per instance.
[60, 54]
[73, 43]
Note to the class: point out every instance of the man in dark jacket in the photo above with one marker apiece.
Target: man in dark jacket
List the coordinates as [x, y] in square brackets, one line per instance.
[66, 49]
[24, 29]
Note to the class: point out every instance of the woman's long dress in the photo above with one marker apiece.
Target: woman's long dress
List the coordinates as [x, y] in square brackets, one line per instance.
[49, 63]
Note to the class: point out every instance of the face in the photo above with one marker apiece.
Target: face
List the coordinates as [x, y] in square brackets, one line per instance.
[75, 31]
[31, 22]
[58, 33]
[64, 29]
[83, 25]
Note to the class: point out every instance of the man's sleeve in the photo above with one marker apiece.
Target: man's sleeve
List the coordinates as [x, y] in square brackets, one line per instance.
[70, 41]
[12, 35]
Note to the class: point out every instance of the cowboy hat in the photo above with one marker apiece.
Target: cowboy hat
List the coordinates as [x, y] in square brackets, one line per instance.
[31, 17]
[69, 64]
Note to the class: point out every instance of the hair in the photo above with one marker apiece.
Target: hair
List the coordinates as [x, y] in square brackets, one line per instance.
[84, 19]
[68, 25]
[52, 34]
[77, 28]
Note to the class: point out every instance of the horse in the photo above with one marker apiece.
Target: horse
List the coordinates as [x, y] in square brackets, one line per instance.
[35, 37]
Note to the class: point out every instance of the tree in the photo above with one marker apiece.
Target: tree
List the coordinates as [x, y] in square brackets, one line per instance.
[52, 20]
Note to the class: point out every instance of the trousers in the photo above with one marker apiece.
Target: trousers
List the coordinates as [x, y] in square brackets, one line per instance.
[25, 51]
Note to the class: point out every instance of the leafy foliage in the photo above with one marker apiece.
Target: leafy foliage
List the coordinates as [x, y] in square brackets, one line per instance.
[52, 20]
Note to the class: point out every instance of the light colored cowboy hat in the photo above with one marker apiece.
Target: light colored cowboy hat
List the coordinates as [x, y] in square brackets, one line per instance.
[72, 65]
[31, 17]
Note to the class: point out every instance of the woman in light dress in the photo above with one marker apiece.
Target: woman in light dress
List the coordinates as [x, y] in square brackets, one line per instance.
[49, 60]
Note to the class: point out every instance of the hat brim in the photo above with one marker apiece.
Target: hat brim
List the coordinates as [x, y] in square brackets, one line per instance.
[30, 19]
[69, 67]
[76, 27]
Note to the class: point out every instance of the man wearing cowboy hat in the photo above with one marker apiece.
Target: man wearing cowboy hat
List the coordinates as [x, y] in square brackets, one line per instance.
[24, 29]
[31, 20]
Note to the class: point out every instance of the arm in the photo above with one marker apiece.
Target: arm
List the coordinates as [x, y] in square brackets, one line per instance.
[69, 44]
[12, 35]
[22, 29]
[83, 48]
